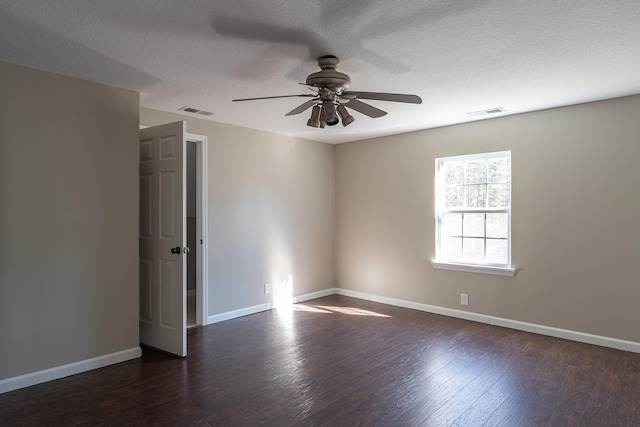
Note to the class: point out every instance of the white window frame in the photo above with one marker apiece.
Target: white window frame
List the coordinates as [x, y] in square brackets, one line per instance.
[475, 267]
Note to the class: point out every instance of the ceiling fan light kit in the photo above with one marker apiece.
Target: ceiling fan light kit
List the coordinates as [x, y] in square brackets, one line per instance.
[314, 121]
[346, 118]
[330, 102]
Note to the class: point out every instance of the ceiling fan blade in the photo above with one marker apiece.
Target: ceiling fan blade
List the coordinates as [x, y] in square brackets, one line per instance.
[366, 109]
[393, 97]
[302, 107]
[273, 97]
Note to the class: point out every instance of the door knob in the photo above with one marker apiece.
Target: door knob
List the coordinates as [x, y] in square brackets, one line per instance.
[175, 250]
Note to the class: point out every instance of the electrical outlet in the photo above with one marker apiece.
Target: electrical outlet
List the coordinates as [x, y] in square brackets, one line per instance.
[464, 299]
[267, 288]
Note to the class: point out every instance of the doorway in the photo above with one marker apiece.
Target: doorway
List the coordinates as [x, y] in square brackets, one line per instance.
[194, 172]
[192, 216]
[196, 214]
[163, 235]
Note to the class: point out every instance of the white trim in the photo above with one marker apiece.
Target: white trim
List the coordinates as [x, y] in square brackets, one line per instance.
[268, 306]
[238, 313]
[352, 294]
[441, 210]
[202, 275]
[484, 269]
[466, 315]
[481, 155]
[58, 372]
[499, 321]
[314, 295]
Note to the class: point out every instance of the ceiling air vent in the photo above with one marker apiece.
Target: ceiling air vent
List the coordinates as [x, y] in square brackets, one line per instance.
[195, 111]
[487, 112]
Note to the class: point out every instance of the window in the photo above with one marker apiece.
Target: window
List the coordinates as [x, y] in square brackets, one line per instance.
[473, 212]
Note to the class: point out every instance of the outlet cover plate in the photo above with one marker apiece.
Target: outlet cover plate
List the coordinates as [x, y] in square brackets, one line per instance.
[464, 299]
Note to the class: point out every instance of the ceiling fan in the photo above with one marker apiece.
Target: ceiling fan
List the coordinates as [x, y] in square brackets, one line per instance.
[330, 99]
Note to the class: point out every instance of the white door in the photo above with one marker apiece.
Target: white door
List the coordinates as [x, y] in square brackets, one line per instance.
[163, 238]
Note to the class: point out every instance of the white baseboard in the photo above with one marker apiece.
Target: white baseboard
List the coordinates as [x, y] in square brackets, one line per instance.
[499, 321]
[58, 372]
[268, 306]
[314, 295]
[238, 313]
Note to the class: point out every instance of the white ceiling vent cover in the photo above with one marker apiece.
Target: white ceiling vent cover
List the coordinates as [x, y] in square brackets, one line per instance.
[486, 112]
[195, 111]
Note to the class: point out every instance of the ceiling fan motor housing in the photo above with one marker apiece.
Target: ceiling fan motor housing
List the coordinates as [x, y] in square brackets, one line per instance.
[328, 77]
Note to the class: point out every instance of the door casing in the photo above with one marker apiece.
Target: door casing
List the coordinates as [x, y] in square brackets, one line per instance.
[202, 271]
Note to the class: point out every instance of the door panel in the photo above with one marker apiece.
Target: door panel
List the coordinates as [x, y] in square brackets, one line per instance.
[146, 303]
[163, 228]
[167, 205]
[146, 190]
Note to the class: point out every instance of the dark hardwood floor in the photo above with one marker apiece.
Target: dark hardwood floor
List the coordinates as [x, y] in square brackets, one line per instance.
[338, 361]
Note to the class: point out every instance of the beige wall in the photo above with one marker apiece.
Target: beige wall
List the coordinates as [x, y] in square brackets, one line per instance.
[69, 203]
[271, 212]
[68, 220]
[576, 213]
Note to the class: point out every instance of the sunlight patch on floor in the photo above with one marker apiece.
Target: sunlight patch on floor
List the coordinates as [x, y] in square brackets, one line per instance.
[309, 309]
[328, 309]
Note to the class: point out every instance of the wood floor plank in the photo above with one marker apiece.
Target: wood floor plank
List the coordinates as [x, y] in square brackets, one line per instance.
[338, 361]
[461, 406]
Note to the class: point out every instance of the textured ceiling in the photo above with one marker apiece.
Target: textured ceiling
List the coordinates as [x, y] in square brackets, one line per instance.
[459, 56]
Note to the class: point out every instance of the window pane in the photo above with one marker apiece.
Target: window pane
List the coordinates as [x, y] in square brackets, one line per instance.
[498, 225]
[474, 225]
[454, 173]
[473, 249]
[499, 195]
[452, 224]
[454, 197]
[475, 196]
[499, 170]
[497, 251]
[473, 209]
[475, 172]
[451, 248]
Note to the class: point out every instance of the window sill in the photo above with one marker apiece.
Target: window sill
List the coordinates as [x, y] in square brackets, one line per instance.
[499, 271]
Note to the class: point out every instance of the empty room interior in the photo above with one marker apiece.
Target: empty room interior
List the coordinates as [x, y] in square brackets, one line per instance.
[337, 274]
